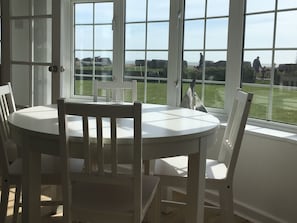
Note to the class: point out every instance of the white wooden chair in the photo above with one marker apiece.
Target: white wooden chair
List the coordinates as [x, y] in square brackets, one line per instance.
[116, 91]
[219, 173]
[100, 192]
[11, 166]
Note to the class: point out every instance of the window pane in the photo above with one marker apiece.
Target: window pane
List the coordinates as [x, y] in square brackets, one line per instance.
[217, 8]
[286, 67]
[216, 33]
[84, 13]
[214, 95]
[20, 49]
[20, 80]
[42, 85]
[257, 71]
[215, 65]
[285, 20]
[157, 81]
[259, 31]
[42, 7]
[84, 37]
[194, 9]
[103, 12]
[135, 36]
[19, 7]
[257, 6]
[103, 37]
[103, 65]
[135, 64]
[194, 34]
[43, 41]
[284, 105]
[260, 104]
[158, 10]
[158, 35]
[157, 64]
[135, 69]
[135, 10]
[286, 4]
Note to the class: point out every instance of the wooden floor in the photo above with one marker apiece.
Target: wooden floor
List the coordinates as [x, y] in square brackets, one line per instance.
[174, 216]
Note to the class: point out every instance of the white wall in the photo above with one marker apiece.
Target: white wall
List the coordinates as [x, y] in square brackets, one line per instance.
[265, 183]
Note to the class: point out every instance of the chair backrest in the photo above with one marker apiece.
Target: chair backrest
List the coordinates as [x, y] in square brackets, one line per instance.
[7, 106]
[234, 131]
[102, 123]
[115, 91]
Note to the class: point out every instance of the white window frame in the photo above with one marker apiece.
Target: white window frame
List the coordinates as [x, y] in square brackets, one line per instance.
[234, 56]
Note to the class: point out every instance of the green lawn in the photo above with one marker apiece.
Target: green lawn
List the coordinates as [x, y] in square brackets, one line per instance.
[284, 105]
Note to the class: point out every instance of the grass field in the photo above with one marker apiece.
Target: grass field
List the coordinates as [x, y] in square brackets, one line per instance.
[282, 108]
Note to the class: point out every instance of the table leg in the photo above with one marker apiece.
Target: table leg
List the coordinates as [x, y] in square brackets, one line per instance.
[31, 183]
[196, 184]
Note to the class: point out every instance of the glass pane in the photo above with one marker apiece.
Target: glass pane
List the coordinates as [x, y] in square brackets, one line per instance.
[286, 4]
[20, 81]
[103, 65]
[286, 67]
[156, 91]
[84, 37]
[103, 37]
[284, 104]
[214, 28]
[257, 67]
[135, 36]
[191, 69]
[42, 7]
[42, 85]
[259, 31]
[194, 34]
[134, 63]
[214, 95]
[257, 6]
[84, 13]
[157, 64]
[217, 8]
[194, 9]
[158, 10]
[42, 40]
[19, 7]
[215, 66]
[134, 69]
[103, 12]
[20, 42]
[135, 10]
[156, 77]
[83, 73]
[157, 37]
[283, 38]
[260, 103]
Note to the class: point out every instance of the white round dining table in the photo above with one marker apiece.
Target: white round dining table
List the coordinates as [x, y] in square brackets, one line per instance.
[167, 131]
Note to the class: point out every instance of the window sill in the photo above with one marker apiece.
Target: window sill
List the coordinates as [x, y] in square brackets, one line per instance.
[273, 130]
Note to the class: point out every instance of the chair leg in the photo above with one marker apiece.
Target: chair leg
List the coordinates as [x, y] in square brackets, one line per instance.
[226, 204]
[4, 199]
[154, 213]
[156, 203]
[17, 202]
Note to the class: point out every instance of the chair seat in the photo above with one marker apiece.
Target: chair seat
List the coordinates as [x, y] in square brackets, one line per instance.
[178, 166]
[110, 198]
